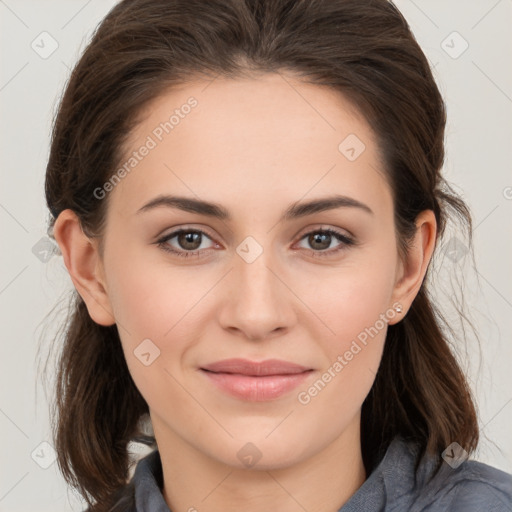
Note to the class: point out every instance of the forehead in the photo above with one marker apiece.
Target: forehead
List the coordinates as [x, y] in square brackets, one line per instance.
[247, 137]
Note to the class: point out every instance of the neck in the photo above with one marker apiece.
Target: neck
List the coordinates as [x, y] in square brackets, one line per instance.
[321, 483]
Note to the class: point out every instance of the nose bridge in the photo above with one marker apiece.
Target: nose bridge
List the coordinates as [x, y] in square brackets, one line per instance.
[253, 270]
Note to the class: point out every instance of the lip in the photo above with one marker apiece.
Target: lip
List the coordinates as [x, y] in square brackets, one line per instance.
[255, 368]
[256, 381]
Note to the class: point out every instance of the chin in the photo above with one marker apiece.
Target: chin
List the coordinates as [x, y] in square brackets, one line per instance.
[263, 455]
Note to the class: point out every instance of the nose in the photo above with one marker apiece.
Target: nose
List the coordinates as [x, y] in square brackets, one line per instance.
[258, 304]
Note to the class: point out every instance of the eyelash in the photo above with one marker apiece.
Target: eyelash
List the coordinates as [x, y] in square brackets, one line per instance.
[344, 239]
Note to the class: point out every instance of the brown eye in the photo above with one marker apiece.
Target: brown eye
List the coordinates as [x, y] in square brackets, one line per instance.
[188, 242]
[321, 239]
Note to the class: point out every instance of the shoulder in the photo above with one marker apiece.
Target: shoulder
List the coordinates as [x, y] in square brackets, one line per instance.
[471, 487]
[477, 486]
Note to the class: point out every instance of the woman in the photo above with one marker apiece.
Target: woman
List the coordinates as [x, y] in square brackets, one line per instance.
[247, 196]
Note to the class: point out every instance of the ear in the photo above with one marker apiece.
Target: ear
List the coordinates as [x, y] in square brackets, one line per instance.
[84, 265]
[413, 268]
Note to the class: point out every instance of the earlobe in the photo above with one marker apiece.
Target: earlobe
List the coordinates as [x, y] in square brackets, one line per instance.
[416, 263]
[83, 262]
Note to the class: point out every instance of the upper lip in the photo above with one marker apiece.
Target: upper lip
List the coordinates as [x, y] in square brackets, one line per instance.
[255, 368]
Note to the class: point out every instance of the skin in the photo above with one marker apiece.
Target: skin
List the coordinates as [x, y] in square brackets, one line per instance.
[254, 146]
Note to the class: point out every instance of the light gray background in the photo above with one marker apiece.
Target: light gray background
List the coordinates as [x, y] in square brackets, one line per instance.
[477, 86]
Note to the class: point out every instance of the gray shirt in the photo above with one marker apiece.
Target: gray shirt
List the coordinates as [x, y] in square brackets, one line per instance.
[391, 486]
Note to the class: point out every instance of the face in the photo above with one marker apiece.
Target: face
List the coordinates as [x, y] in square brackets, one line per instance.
[261, 279]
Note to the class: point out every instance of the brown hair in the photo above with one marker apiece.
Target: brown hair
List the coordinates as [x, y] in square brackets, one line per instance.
[362, 48]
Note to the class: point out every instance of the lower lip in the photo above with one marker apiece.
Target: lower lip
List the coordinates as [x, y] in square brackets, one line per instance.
[256, 389]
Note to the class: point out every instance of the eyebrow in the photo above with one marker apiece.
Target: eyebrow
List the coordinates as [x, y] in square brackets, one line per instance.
[294, 211]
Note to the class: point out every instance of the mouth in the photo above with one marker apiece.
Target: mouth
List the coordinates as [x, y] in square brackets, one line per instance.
[256, 381]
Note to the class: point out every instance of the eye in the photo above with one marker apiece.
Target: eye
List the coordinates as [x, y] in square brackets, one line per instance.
[320, 240]
[189, 241]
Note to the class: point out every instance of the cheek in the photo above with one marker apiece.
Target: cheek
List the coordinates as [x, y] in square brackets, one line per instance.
[155, 313]
[156, 301]
[354, 298]
[355, 308]
[151, 297]
[358, 318]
